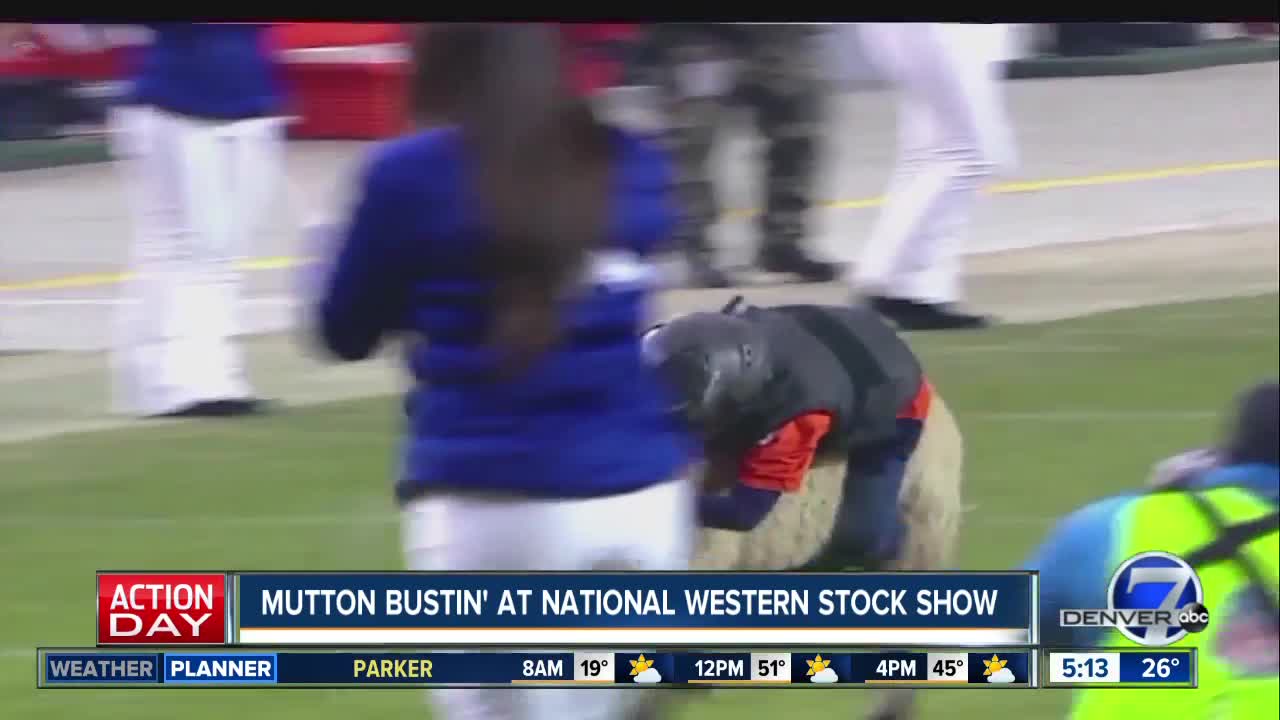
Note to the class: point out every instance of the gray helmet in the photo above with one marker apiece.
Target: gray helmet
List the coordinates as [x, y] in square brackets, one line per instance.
[717, 364]
[1252, 437]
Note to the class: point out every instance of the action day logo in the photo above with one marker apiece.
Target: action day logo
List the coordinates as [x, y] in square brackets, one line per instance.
[1155, 599]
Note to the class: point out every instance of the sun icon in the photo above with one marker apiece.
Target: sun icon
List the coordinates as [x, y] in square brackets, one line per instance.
[817, 665]
[994, 665]
[640, 665]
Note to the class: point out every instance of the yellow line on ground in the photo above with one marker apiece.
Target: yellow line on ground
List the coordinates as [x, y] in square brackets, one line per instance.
[86, 280]
[1028, 186]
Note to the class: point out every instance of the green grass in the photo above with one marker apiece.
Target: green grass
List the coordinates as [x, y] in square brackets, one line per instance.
[1055, 415]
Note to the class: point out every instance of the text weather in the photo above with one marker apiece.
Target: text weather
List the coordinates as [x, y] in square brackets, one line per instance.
[100, 668]
[69, 668]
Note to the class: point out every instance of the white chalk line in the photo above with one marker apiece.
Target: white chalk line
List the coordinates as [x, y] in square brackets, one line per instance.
[1092, 415]
[312, 520]
[1168, 333]
[290, 300]
[64, 522]
[1025, 348]
[206, 521]
[261, 300]
[19, 437]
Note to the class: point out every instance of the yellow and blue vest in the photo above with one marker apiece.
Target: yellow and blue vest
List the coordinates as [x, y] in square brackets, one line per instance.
[1204, 523]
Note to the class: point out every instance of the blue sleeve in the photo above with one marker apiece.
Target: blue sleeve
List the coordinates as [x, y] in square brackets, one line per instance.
[365, 295]
[1074, 564]
[1260, 478]
[652, 174]
[741, 509]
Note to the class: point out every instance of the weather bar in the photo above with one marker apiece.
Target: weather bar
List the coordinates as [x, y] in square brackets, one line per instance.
[1120, 667]
[316, 668]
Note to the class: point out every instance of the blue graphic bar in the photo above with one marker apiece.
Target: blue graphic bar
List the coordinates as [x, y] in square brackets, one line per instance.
[1121, 667]
[606, 609]
[450, 668]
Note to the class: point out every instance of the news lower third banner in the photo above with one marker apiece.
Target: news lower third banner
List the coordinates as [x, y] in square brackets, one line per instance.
[568, 609]
[379, 667]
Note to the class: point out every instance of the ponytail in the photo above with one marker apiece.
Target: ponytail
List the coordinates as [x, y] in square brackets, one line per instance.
[540, 161]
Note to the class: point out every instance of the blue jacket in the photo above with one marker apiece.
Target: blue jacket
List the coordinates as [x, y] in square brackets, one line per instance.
[219, 71]
[1073, 561]
[589, 418]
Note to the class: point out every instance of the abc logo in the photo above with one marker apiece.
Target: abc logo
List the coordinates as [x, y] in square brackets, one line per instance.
[1167, 589]
[1194, 618]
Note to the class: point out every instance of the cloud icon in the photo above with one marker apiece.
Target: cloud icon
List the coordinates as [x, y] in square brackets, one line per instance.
[1001, 676]
[649, 676]
[825, 675]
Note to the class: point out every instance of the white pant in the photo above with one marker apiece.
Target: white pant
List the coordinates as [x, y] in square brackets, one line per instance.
[953, 136]
[197, 190]
[651, 529]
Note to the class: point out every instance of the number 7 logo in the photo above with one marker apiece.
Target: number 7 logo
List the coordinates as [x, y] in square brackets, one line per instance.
[1178, 576]
[1154, 568]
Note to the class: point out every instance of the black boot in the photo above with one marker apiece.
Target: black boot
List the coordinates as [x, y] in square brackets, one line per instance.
[1089, 39]
[219, 409]
[791, 259]
[913, 315]
[703, 274]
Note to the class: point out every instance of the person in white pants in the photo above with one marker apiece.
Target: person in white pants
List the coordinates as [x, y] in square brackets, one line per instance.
[953, 137]
[504, 241]
[200, 148]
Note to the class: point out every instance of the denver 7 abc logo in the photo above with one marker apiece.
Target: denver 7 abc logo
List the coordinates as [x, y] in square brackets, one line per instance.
[1155, 599]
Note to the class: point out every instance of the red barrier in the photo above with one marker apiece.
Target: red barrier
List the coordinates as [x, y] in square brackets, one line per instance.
[345, 80]
[46, 63]
[593, 64]
[342, 100]
[294, 36]
[349, 80]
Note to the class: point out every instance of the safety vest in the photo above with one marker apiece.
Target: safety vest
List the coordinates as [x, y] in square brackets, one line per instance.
[1229, 536]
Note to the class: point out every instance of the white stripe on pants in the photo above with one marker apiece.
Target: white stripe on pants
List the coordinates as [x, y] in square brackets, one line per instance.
[953, 136]
[650, 529]
[197, 189]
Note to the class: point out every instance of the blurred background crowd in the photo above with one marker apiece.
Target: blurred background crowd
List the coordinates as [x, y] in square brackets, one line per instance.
[61, 80]
[196, 115]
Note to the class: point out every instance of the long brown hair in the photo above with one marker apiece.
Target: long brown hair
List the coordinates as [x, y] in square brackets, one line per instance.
[540, 161]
